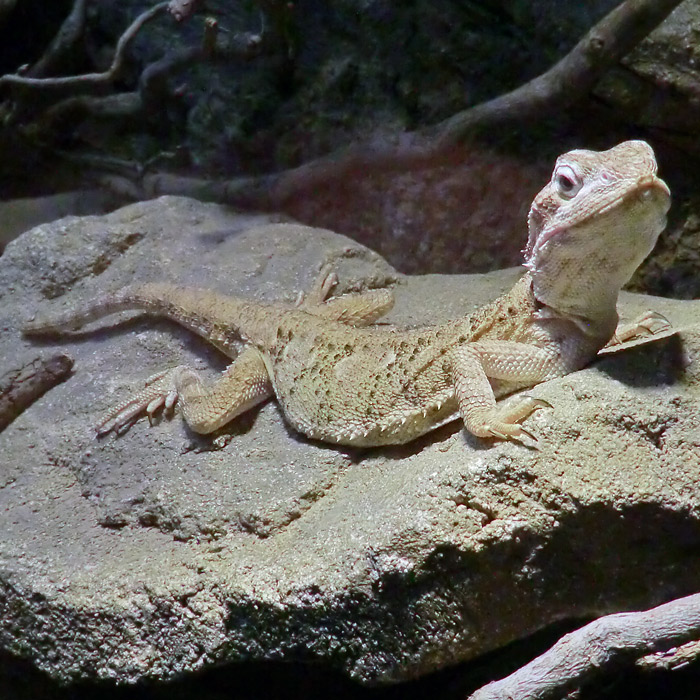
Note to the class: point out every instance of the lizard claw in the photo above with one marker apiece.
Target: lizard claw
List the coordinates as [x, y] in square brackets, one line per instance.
[652, 322]
[537, 403]
[505, 423]
[330, 281]
[159, 393]
[120, 429]
[647, 324]
[535, 442]
[515, 433]
[326, 281]
[522, 407]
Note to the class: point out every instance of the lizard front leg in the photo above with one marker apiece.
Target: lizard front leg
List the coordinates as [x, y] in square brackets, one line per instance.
[473, 364]
[353, 309]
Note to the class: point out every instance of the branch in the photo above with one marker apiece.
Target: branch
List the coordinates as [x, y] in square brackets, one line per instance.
[610, 641]
[21, 387]
[64, 115]
[241, 46]
[567, 81]
[671, 659]
[69, 33]
[182, 9]
[89, 80]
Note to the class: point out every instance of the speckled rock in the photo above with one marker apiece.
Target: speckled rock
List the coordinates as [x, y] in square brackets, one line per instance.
[161, 552]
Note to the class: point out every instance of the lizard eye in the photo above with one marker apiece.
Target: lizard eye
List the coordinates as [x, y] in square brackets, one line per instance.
[567, 181]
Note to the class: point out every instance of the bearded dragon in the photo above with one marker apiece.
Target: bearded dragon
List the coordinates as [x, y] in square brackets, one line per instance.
[340, 380]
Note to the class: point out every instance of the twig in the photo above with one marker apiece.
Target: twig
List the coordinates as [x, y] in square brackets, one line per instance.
[21, 387]
[567, 81]
[672, 659]
[65, 114]
[89, 81]
[182, 9]
[579, 657]
[151, 93]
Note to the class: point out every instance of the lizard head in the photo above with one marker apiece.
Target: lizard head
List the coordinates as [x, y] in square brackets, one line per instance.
[592, 225]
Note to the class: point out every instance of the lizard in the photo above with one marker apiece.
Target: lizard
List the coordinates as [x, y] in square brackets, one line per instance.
[342, 379]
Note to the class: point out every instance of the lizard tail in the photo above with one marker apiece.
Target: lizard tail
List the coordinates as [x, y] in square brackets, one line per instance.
[221, 319]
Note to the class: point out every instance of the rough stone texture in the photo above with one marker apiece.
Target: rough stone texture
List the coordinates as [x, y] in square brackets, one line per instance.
[656, 85]
[160, 551]
[19, 215]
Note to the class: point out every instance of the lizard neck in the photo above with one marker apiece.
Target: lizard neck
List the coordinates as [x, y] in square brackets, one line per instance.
[588, 302]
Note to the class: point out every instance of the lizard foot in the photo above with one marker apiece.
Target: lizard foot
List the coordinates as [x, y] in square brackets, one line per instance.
[353, 309]
[647, 324]
[505, 422]
[160, 392]
[322, 287]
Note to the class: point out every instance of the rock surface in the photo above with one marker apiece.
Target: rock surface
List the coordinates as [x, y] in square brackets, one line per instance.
[161, 552]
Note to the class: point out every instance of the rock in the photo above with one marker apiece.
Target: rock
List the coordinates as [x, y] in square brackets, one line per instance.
[655, 84]
[161, 552]
[19, 215]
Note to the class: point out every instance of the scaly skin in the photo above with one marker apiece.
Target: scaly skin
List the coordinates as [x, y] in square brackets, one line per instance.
[340, 381]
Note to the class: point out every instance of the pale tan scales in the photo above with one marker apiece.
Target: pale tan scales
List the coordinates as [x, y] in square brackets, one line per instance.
[340, 380]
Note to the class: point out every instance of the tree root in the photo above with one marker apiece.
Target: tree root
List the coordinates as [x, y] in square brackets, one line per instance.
[609, 642]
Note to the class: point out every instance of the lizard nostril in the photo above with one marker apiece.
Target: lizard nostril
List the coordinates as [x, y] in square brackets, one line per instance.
[654, 190]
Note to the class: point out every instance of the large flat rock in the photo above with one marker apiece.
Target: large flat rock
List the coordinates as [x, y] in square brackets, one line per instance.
[161, 551]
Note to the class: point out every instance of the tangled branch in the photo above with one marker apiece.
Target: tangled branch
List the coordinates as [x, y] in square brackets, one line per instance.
[72, 99]
[68, 35]
[87, 81]
[562, 85]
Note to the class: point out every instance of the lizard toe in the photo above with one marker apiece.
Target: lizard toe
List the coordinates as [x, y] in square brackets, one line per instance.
[159, 393]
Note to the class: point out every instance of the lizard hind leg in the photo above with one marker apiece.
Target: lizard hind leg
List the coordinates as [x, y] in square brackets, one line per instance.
[205, 408]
